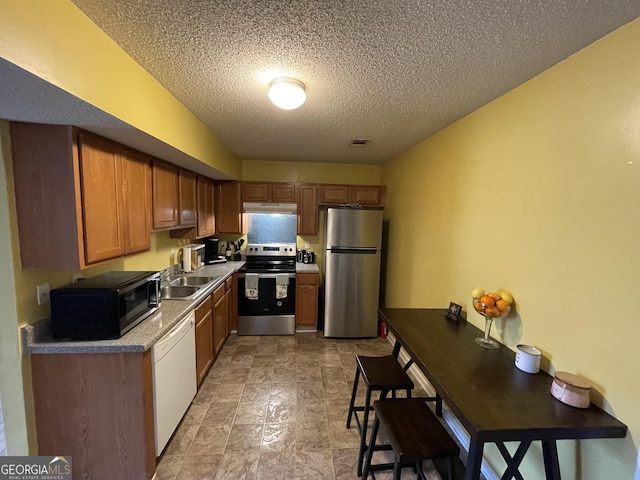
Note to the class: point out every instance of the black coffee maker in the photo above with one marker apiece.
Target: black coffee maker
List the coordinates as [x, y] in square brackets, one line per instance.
[211, 246]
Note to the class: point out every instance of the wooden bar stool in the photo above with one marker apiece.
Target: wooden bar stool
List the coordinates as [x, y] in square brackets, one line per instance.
[415, 435]
[383, 374]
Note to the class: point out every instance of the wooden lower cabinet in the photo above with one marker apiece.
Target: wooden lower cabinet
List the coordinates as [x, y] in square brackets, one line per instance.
[233, 321]
[232, 306]
[97, 408]
[307, 299]
[204, 338]
[219, 318]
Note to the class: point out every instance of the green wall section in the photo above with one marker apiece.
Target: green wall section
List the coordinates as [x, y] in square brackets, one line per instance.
[538, 193]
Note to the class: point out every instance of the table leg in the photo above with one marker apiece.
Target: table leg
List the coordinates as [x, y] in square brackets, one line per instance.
[396, 349]
[551, 463]
[474, 459]
[513, 462]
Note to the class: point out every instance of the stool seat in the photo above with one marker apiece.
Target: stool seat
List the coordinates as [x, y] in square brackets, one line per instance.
[414, 431]
[414, 434]
[383, 373]
[380, 374]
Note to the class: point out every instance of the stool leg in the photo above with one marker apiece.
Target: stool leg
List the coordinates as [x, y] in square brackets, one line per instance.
[363, 433]
[396, 470]
[372, 443]
[353, 397]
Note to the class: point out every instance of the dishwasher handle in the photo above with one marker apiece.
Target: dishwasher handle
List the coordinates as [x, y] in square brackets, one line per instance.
[166, 343]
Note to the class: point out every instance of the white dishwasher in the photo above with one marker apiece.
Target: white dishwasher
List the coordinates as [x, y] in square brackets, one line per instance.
[174, 378]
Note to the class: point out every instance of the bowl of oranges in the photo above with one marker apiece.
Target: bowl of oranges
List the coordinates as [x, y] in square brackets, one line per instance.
[491, 306]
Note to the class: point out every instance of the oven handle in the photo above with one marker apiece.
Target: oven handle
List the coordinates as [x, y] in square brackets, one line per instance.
[267, 275]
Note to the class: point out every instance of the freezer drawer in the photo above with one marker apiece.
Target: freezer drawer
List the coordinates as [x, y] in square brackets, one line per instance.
[351, 293]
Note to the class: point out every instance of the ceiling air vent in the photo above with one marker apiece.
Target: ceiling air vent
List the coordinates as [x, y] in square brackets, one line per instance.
[359, 143]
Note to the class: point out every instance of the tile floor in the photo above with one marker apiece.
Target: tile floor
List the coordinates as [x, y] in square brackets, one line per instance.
[274, 407]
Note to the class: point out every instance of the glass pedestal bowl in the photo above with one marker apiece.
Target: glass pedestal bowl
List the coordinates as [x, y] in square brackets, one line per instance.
[487, 341]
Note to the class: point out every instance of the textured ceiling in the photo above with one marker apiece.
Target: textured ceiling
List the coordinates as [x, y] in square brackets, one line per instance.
[394, 71]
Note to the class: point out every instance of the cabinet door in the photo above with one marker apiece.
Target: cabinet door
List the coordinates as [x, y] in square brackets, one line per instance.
[307, 299]
[255, 192]
[166, 192]
[101, 184]
[333, 194]
[283, 192]
[227, 323]
[219, 322]
[136, 191]
[228, 207]
[204, 346]
[188, 199]
[307, 210]
[367, 194]
[206, 219]
[234, 303]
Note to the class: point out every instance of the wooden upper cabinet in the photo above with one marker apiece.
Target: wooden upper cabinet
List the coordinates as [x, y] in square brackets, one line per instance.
[283, 192]
[307, 200]
[206, 218]
[368, 195]
[228, 207]
[74, 203]
[188, 199]
[268, 192]
[102, 199]
[166, 195]
[255, 192]
[136, 185]
[333, 194]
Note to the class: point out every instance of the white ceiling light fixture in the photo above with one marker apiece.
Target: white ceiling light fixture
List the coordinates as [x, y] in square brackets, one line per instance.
[287, 93]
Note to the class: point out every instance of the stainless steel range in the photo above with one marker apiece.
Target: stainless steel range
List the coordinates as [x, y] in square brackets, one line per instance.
[267, 282]
[267, 291]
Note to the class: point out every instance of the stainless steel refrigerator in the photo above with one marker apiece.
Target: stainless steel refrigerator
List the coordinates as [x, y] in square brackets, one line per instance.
[352, 272]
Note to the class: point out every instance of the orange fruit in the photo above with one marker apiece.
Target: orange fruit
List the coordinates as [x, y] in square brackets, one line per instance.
[492, 312]
[503, 306]
[494, 295]
[477, 305]
[487, 301]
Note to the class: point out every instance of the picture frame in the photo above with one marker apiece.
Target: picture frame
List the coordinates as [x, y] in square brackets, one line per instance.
[454, 311]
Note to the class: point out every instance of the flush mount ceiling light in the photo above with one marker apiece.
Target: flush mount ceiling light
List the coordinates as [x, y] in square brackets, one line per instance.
[287, 93]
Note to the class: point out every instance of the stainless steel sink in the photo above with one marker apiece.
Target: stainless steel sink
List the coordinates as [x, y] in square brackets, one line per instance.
[192, 281]
[180, 292]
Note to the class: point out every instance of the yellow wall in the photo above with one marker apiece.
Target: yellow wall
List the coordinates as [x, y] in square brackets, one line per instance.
[539, 193]
[55, 41]
[301, 172]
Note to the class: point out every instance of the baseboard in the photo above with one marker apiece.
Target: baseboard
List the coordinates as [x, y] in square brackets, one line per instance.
[458, 432]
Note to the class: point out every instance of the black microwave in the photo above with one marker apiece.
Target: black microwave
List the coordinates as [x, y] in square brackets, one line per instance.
[105, 306]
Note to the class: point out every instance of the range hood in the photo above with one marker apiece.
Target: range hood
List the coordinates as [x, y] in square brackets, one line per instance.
[281, 208]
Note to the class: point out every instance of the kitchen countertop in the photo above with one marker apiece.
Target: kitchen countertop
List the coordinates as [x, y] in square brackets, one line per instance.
[307, 268]
[36, 338]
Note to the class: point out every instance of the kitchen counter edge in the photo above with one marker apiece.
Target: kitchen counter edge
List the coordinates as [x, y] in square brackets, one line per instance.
[37, 339]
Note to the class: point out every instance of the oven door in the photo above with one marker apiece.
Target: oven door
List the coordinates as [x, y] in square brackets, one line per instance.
[272, 312]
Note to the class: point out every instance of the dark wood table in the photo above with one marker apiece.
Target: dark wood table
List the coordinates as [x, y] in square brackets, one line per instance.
[494, 400]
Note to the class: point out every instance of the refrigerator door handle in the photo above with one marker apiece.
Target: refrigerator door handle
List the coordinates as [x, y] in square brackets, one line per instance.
[359, 250]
